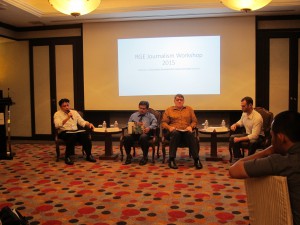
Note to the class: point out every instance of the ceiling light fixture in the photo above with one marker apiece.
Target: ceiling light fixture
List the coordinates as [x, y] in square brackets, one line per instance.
[245, 5]
[75, 7]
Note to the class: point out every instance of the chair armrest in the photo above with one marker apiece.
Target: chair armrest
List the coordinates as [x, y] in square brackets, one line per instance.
[164, 135]
[238, 130]
[124, 129]
[196, 131]
[56, 135]
[123, 133]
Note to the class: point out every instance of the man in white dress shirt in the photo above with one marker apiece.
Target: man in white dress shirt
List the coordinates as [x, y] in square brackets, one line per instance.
[66, 121]
[252, 121]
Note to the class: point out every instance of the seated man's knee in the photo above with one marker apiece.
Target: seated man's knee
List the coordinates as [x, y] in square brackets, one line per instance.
[144, 137]
[128, 139]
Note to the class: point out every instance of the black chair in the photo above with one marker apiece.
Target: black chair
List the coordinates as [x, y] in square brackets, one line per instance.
[154, 140]
[60, 142]
[267, 121]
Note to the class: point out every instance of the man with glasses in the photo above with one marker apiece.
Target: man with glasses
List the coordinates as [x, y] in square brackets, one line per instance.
[252, 121]
[179, 121]
[146, 121]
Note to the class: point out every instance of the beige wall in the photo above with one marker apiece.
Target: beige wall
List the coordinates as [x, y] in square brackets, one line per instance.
[14, 74]
[100, 60]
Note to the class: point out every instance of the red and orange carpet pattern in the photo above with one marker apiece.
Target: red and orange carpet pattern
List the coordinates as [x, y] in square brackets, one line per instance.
[107, 192]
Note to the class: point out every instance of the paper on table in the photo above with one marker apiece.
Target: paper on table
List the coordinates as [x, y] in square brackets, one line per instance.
[111, 129]
[99, 129]
[181, 130]
[217, 129]
[74, 131]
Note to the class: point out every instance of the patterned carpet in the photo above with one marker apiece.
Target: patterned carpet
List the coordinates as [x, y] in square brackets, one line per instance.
[106, 192]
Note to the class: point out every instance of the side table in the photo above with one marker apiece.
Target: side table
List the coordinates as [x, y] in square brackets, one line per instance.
[214, 131]
[108, 132]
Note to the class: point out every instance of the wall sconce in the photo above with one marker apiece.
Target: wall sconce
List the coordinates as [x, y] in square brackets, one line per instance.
[245, 5]
[75, 7]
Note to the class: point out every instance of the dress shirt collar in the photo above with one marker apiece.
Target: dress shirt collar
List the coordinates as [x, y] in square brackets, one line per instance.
[250, 116]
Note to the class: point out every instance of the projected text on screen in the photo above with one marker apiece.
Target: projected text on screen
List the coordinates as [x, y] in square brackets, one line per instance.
[169, 65]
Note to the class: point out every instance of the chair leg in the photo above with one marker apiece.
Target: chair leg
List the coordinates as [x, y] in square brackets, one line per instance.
[164, 153]
[153, 153]
[133, 151]
[122, 152]
[230, 152]
[57, 152]
[157, 152]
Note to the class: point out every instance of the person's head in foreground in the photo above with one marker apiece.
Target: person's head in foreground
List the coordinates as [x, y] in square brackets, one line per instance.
[285, 131]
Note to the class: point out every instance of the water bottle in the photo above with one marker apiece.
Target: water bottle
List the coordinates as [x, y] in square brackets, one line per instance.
[104, 124]
[116, 125]
[223, 124]
[206, 124]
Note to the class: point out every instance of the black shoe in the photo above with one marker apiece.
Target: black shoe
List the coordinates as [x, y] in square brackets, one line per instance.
[128, 160]
[143, 161]
[198, 164]
[69, 161]
[90, 158]
[172, 164]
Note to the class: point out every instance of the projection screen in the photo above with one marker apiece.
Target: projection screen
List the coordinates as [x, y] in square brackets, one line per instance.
[209, 60]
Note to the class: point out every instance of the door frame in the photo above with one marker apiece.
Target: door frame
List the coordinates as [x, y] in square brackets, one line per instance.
[78, 85]
[263, 37]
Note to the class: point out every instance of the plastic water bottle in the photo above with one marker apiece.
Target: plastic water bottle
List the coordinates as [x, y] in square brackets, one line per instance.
[104, 124]
[116, 125]
[206, 124]
[223, 124]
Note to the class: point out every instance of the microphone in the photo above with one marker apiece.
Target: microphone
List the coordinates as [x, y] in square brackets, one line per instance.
[71, 115]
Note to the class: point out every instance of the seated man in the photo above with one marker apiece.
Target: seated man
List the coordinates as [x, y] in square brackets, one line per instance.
[180, 120]
[282, 158]
[253, 123]
[66, 120]
[147, 122]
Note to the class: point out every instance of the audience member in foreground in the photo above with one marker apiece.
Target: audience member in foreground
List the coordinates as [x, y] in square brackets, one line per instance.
[253, 123]
[180, 120]
[282, 158]
[66, 121]
[145, 122]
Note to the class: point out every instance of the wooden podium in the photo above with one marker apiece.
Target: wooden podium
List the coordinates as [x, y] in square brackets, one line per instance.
[4, 102]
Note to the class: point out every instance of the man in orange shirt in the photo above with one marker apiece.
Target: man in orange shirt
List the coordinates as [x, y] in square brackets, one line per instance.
[180, 120]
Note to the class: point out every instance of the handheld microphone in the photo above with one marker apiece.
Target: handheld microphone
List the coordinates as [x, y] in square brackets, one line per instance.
[71, 115]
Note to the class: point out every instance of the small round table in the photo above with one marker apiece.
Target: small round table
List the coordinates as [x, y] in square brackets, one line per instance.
[214, 131]
[108, 132]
